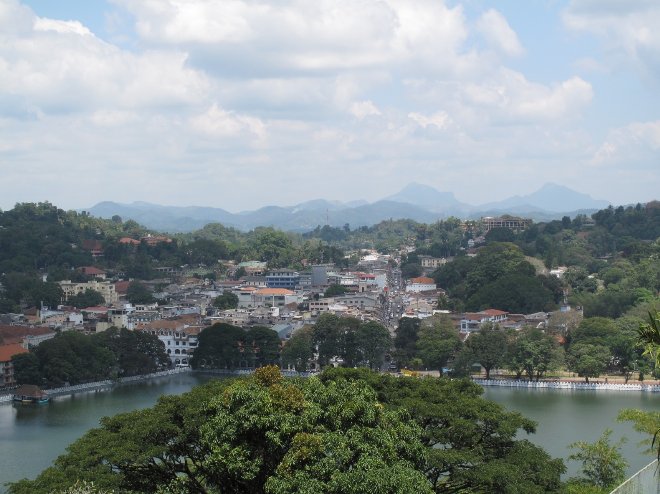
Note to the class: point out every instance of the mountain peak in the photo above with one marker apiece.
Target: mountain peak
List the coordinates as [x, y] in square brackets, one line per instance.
[427, 197]
[551, 197]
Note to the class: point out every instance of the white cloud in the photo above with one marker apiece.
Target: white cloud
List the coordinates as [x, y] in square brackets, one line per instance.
[220, 123]
[214, 95]
[440, 120]
[298, 35]
[496, 30]
[636, 144]
[62, 27]
[628, 30]
[61, 67]
[362, 109]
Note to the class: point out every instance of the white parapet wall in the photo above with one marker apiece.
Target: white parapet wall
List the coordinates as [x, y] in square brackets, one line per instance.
[592, 386]
[646, 481]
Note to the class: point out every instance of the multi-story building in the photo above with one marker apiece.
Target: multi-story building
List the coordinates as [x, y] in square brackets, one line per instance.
[512, 222]
[283, 278]
[429, 262]
[180, 339]
[105, 288]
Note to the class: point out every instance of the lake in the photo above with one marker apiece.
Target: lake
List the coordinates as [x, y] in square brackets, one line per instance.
[33, 436]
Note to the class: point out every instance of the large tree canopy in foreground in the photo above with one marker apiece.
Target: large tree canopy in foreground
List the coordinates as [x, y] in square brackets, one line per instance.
[349, 431]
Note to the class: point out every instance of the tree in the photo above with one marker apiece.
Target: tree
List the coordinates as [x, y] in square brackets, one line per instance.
[602, 463]
[220, 346]
[373, 340]
[260, 434]
[405, 341]
[26, 368]
[488, 346]
[645, 423]
[298, 351]
[335, 336]
[649, 336]
[594, 330]
[500, 234]
[335, 289]
[264, 343]
[137, 293]
[472, 443]
[88, 298]
[227, 300]
[514, 292]
[588, 360]
[534, 353]
[438, 342]
[69, 357]
[136, 352]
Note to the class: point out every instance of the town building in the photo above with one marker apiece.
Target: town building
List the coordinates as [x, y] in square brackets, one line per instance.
[421, 284]
[472, 321]
[105, 288]
[6, 366]
[282, 278]
[179, 338]
[429, 262]
[512, 222]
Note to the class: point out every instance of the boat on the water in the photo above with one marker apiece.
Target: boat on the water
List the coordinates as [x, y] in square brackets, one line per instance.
[29, 393]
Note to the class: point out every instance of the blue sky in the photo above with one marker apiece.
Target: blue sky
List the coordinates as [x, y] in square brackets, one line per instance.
[242, 103]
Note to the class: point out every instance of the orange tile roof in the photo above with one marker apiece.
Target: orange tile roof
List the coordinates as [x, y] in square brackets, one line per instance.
[494, 312]
[15, 334]
[8, 351]
[422, 280]
[91, 270]
[274, 291]
[128, 240]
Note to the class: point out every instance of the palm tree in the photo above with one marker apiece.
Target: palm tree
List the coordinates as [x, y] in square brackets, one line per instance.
[649, 336]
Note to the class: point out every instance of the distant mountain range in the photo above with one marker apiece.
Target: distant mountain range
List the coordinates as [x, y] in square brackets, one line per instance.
[415, 201]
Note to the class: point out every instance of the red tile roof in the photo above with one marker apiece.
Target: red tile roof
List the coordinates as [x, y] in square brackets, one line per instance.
[121, 287]
[494, 312]
[423, 280]
[273, 291]
[8, 351]
[128, 240]
[15, 334]
[91, 270]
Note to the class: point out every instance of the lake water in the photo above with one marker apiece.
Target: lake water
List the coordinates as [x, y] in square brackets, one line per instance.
[31, 437]
[567, 416]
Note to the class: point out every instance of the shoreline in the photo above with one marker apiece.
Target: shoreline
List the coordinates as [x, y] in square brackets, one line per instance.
[506, 383]
[569, 385]
[107, 383]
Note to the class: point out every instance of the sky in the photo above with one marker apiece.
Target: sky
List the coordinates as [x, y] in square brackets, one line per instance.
[244, 103]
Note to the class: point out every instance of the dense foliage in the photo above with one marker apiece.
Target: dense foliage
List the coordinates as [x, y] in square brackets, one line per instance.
[74, 358]
[223, 346]
[499, 276]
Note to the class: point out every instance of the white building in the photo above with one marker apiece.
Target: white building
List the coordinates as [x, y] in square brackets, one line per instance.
[180, 340]
[421, 284]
